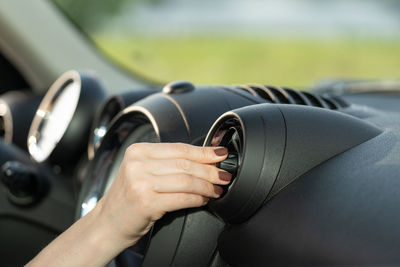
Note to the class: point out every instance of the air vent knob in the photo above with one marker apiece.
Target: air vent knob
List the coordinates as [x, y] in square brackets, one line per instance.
[231, 163]
[21, 181]
[232, 140]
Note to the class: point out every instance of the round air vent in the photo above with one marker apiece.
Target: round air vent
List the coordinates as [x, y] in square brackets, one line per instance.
[230, 135]
[271, 145]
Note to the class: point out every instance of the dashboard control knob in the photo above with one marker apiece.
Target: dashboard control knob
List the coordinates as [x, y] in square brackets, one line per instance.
[178, 87]
[22, 182]
[231, 138]
[231, 163]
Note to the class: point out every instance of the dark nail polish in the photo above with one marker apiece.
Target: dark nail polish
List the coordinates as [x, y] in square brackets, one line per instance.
[225, 176]
[218, 190]
[221, 151]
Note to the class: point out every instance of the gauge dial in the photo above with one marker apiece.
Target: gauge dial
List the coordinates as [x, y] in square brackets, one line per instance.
[54, 115]
[102, 121]
[107, 163]
[143, 133]
[6, 127]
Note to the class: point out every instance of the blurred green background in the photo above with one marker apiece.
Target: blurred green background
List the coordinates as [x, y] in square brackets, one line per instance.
[286, 42]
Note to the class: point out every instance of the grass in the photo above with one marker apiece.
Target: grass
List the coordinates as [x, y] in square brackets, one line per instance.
[233, 60]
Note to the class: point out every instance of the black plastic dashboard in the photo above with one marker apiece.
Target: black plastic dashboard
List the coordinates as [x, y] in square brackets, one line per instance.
[244, 227]
[316, 173]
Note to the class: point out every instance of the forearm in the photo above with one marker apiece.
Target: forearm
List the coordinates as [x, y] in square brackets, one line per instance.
[88, 242]
[153, 179]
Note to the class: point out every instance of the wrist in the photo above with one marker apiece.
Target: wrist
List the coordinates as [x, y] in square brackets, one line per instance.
[103, 231]
[108, 228]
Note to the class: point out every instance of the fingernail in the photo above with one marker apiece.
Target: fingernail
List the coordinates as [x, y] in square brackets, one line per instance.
[224, 176]
[218, 190]
[221, 151]
[206, 201]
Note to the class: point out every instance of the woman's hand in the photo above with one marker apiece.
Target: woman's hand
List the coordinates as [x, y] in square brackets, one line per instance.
[153, 179]
[157, 178]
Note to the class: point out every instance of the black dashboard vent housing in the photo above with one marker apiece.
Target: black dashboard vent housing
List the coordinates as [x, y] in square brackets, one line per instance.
[271, 146]
[285, 95]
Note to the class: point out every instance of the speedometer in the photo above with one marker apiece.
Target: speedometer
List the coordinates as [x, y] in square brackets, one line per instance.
[109, 110]
[53, 117]
[129, 128]
[143, 133]
[56, 118]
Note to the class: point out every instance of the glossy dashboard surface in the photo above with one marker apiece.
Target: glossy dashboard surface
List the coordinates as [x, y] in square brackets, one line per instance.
[176, 237]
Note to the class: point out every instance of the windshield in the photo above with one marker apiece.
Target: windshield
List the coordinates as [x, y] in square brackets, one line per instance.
[281, 42]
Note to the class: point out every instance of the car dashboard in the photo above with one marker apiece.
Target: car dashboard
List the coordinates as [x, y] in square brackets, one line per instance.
[315, 173]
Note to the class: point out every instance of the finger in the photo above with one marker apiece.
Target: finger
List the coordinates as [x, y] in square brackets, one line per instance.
[180, 150]
[176, 201]
[184, 183]
[206, 172]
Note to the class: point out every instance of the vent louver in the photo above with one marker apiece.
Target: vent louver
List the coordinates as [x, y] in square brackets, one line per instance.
[285, 95]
